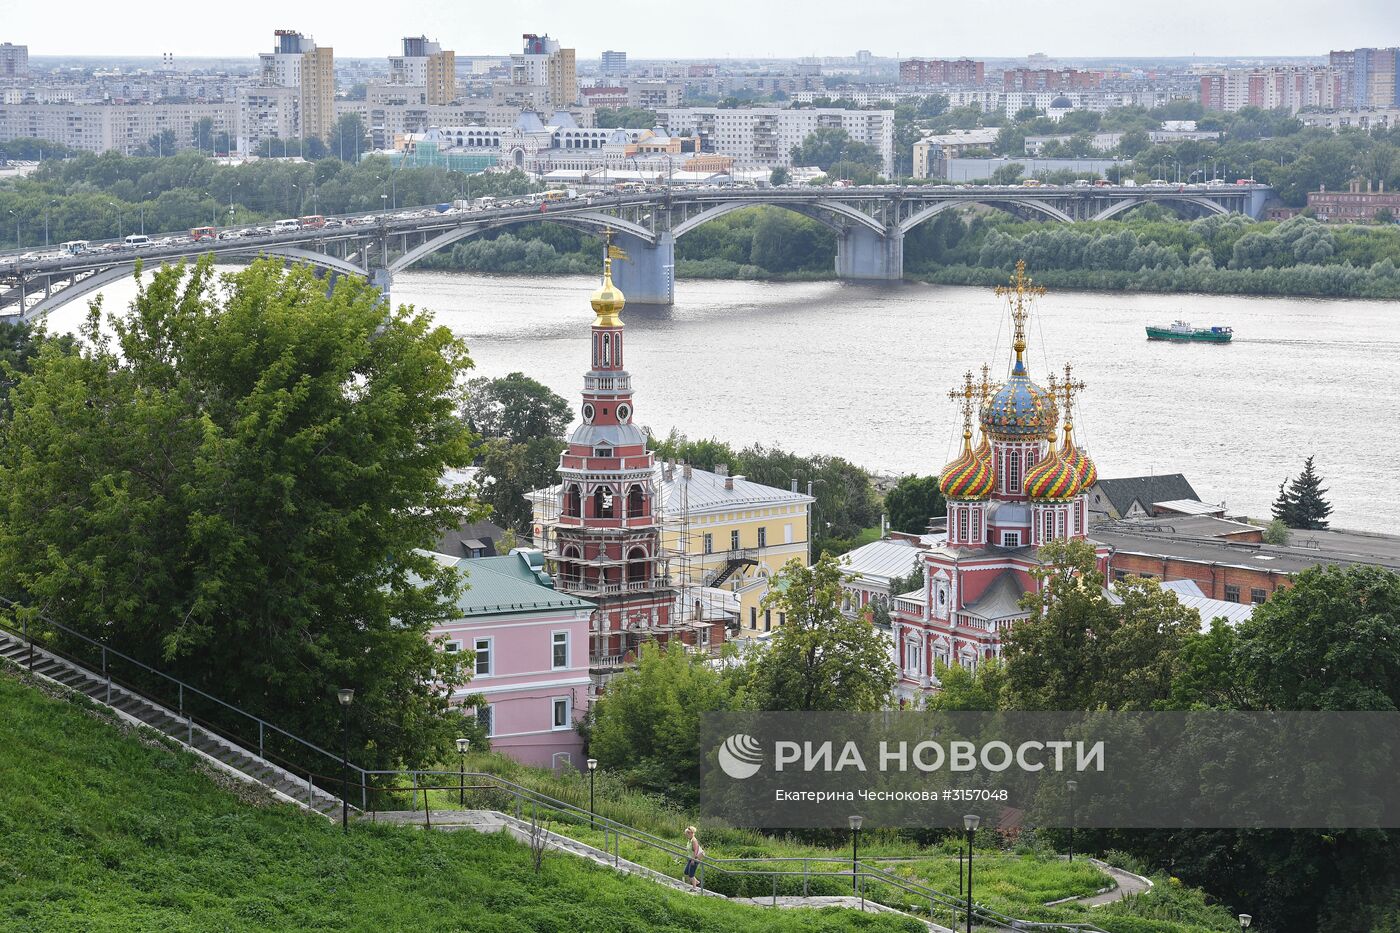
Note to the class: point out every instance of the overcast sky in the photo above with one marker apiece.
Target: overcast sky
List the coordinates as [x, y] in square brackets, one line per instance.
[713, 28]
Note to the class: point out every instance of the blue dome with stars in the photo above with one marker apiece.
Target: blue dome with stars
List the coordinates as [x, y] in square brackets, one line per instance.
[1020, 410]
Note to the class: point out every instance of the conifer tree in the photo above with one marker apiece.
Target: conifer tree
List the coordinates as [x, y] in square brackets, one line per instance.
[1302, 504]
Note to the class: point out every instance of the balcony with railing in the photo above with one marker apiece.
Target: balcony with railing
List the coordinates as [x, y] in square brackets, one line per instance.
[621, 382]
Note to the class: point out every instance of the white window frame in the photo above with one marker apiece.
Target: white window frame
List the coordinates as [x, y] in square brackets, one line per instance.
[1007, 536]
[554, 644]
[451, 647]
[490, 649]
[762, 535]
[568, 704]
[734, 540]
[486, 717]
[709, 543]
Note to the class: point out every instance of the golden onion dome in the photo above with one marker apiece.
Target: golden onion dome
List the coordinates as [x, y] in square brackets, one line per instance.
[608, 300]
[1084, 467]
[967, 477]
[1052, 479]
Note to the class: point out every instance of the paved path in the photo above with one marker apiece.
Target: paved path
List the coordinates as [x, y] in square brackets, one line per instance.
[1125, 883]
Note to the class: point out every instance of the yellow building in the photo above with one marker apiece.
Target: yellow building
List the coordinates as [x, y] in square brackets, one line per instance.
[725, 537]
[317, 92]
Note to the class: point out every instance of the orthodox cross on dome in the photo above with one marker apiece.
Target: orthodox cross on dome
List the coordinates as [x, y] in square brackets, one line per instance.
[1066, 390]
[967, 393]
[1019, 293]
[985, 386]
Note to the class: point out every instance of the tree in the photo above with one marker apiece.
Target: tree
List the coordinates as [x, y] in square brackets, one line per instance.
[1302, 503]
[232, 481]
[1008, 174]
[516, 408]
[1329, 642]
[19, 346]
[636, 118]
[647, 725]
[818, 658]
[509, 472]
[912, 502]
[1385, 216]
[347, 138]
[1276, 532]
[962, 688]
[827, 146]
[779, 176]
[1081, 650]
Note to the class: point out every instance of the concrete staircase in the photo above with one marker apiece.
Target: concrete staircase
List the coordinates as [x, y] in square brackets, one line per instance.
[138, 710]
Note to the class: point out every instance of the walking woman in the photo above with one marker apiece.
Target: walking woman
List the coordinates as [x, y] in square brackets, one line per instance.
[697, 852]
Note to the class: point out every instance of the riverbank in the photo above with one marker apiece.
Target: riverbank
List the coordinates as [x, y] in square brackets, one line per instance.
[1218, 255]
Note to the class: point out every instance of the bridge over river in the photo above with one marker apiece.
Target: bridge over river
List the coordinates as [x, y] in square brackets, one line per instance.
[869, 222]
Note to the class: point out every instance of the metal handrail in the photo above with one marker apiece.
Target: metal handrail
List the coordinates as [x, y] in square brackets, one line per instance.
[26, 633]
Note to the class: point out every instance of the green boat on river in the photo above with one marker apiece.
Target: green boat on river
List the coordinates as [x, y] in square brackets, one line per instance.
[1183, 332]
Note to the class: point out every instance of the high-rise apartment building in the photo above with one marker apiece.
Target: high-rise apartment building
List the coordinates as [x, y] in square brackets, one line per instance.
[297, 62]
[543, 74]
[614, 63]
[14, 61]
[318, 92]
[1292, 87]
[427, 65]
[1365, 78]
[941, 71]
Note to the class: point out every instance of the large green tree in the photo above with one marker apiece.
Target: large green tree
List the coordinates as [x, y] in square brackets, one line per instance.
[819, 659]
[828, 146]
[230, 480]
[521, 422]
[1080, 650]
[516, 408]
[912, 502]
[647, 725]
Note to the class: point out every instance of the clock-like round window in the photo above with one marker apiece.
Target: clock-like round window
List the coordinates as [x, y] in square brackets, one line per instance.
[624, 412]
[588, 414]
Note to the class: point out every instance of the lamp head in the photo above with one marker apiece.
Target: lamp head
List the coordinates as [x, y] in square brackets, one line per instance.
[855, 821]
[462, 745]
[346, 695]
[1072, 785]
[1245, 921]
[971, 822]
[593, 764]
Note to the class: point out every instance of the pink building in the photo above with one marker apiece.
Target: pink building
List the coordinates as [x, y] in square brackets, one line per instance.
[528, 650]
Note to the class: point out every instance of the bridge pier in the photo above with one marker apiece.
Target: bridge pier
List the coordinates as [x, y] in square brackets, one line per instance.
[862, 255]
[648, 275]
[382, 279]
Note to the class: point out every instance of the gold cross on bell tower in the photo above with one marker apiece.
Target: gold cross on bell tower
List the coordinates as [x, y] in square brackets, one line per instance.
[966, 394]
[1019, 293]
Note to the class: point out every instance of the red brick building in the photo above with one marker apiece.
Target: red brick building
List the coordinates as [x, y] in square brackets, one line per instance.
[1048, 79]
[1354, 205]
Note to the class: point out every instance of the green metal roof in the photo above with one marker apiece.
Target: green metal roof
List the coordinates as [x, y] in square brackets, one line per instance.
[497, 585]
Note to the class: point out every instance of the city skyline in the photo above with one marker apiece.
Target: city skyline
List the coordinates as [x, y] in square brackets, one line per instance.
[727, 29]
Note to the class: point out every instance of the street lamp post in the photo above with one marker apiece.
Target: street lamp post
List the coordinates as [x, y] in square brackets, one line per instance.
[383, 202]
[855, 822]
[970, 824]
[592, 770]
[1073, 786]
[462, 746]
[346, 696]
[1245, 921]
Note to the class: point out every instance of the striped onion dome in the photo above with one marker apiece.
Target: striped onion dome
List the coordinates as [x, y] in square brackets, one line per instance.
[1052, 479]
[983, 450]
[1088, 473]
[968, 477]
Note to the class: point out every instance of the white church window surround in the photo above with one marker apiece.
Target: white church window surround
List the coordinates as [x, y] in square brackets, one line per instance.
[1013, 472]
[964, 520]
[976, 526]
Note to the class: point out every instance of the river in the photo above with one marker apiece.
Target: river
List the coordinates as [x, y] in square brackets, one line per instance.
[864, 371]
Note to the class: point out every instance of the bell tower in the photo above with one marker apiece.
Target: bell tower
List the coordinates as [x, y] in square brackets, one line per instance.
[607, 545]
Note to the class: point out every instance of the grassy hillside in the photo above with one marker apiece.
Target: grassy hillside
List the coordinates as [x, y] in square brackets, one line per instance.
[106, 831]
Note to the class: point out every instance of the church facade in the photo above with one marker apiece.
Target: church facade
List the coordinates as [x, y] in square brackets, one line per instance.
[1023, 485]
